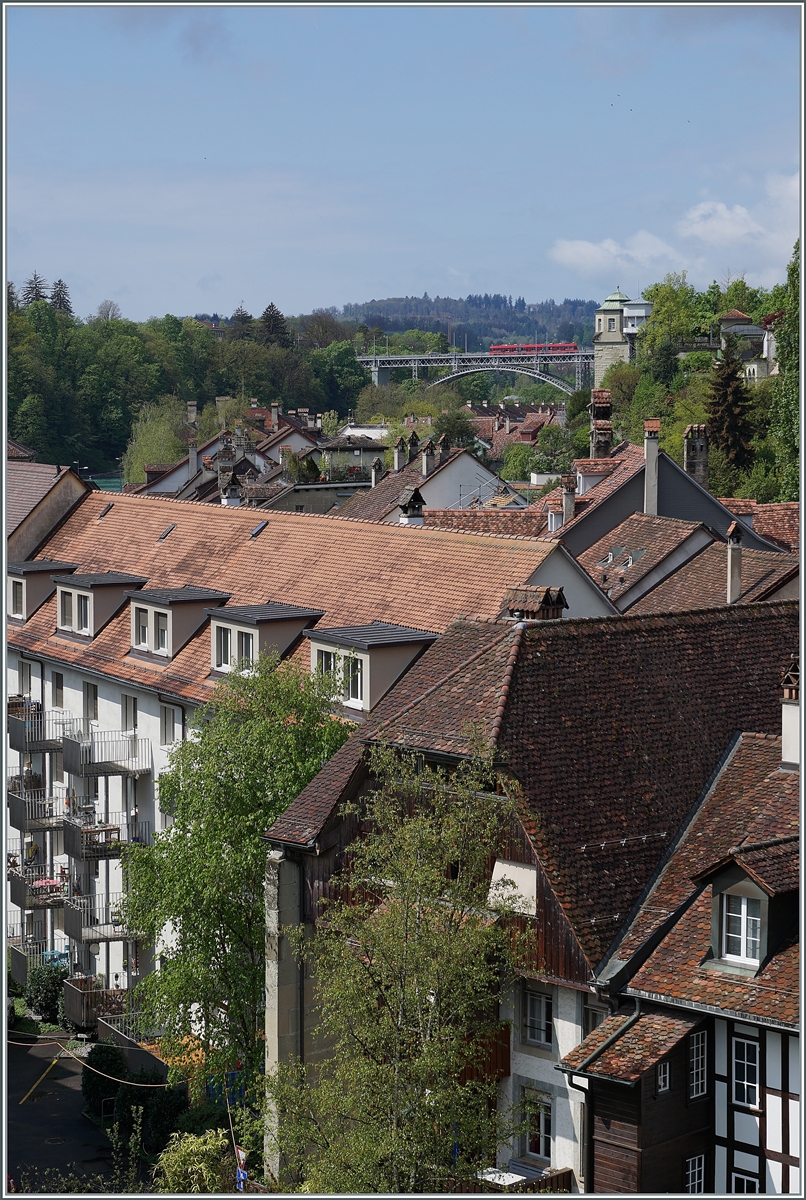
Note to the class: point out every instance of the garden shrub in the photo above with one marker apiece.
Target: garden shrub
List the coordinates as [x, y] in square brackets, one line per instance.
[43, 990]
[106, 1057]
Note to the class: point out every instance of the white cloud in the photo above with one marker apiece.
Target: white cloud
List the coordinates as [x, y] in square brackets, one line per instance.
[594, 260]
[717, 225]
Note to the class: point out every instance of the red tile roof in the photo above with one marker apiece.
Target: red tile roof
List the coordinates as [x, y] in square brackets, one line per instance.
[779, 523]
[27, 483]
[642, 1044]
[380, 501]
[627, 461]
[654, 538]
[752, 800]
[703, 580]
[17, 450]
[522, 522]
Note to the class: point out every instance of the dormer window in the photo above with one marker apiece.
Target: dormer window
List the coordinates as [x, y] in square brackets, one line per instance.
[741, 928]
[223, 647]
[367, 658]
[82, 613]
[353, 681]
[17, 601]
[66, 610]
[141, 628]
[246, 647]
[161, 633]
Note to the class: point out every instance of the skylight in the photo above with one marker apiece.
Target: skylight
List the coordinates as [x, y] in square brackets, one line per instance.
[105, 510]
[165, 533]
[258, 529]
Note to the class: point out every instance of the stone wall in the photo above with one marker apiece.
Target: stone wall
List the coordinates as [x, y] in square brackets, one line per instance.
[604, 355]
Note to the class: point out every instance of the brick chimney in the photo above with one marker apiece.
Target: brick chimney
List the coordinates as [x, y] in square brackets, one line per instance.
[695, 453]
[427, 450]
[601, 439]
[193, 458]
[535, 603]
[400, 454]
[411, 507]
[414, 445]
[651, 435]
[734, 562]
[790, 715]
[569, 487]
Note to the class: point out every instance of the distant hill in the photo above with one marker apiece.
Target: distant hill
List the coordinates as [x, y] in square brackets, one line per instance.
[483, 318]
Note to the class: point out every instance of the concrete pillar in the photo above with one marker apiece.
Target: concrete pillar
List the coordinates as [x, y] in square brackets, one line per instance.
[380, 376]
[651, 434]
[283, 1026]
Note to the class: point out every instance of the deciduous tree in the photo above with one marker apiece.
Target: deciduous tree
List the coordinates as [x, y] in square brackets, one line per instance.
[786, 413]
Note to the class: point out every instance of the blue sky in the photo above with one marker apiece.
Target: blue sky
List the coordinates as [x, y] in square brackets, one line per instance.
[188, 159]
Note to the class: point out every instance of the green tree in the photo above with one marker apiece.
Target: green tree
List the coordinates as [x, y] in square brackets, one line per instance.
[554, 450]
[458, 427]
[664, 364]
[729, 425]
[158, 436]
[196, 894]
[241, 325]
[60, 298]
[518, 463]
[786, 413]
[674, 313]
[330, 423]
[273, 329]
[43, 990]
[193, 1163]
[340, 375]
[35, 288]
[409, 964]
[474, 389]
[104, 1066]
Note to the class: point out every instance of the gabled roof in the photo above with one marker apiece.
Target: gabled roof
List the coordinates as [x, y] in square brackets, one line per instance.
[703, 580]
[636, 1047]
[778, 523]
[27, 484]
[625, 461]
[634, 548]
[17, 450]
[751, 796]
[384, 498]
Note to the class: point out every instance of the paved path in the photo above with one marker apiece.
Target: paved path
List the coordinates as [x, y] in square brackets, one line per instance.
[49, 1130]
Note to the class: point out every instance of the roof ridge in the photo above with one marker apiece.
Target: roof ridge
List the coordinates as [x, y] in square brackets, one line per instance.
[509, 670]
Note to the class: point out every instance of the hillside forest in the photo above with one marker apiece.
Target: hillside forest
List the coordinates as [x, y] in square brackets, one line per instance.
[106, 391]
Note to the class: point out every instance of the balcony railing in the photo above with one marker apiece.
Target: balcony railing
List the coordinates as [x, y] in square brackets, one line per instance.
[38, 887]
[20, 934]
[135, 1027]
[89, 752]
[95, 918]
[85, 1001]
[31, 729]
[93, 838]
[33, 808]
[22, 958]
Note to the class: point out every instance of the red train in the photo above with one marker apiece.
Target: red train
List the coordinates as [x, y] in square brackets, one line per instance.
[536, 348]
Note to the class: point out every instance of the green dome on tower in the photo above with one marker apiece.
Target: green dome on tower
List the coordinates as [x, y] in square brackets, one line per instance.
[616, 299]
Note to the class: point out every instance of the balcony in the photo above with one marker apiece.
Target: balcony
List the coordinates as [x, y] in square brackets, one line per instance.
[31, 730]
[31, 808]
[37, 887]
[90, 752]
[33, 954]
[85, 1001]
[95, 918]
[91, 839]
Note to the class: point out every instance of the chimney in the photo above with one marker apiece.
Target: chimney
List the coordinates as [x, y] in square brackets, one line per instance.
[253, 402]
[318, 422]
[695, 453]
[377, 468]
[790, 715]
[444, 448]
[411, 507]
[651, 434]
[734, 562]
[231, 492]
[569, 487]
[601, 439]
[192, 412]
[275, 412]
[400, 454]
[414, 445]
[193, 458]
[427, 449]
[535, 603]
[506, 424]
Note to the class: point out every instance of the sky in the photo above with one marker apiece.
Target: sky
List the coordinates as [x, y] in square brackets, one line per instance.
[193, 158]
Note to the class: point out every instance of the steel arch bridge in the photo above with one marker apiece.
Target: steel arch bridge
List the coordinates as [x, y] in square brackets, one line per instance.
[533, 365]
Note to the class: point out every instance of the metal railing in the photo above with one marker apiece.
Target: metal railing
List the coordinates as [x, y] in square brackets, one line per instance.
[91, 837]
[85, 1001]
[33, 808]
[33, 954]
[38, 887]
[31, 729]
[89, 752]
[135, 1027]
[95, 918]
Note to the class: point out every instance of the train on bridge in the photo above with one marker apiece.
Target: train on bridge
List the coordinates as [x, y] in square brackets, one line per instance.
[537, 348]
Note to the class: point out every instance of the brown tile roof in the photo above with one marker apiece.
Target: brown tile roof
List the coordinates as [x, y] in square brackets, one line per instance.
[27, 483]
[594, 718]
[380, 501]
[628, 460]
[519, 522]
[752, 800]
[654, 537]
[641, 1045]
[520, 432]
[702, 581]
[779, 523]
[357, 571]
[17, 450]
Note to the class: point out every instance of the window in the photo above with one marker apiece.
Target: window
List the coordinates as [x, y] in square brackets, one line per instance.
[83, 613]
[223, 646]
[599, 324]
[741, 928]
[66, 613]
[25, 678]
[167, 725]
[246, 643]
[325, 660]
[538, 1139]
[611, 324]
[128, 713]
[696, 1065]
[695, 1173]
[57, 689]
[537, 1018]
[592, 1018]
[663, 1077]
[745, 1072]
[161, 633]
[299, 508]
[141, 628]
[744, 1183]
[354, 679]
[16, 598]
[90, 702]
